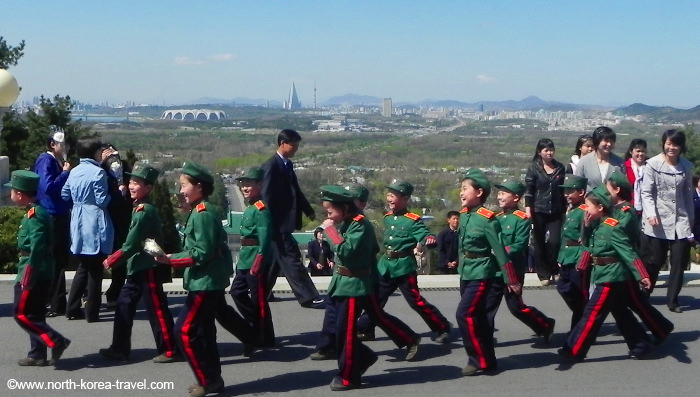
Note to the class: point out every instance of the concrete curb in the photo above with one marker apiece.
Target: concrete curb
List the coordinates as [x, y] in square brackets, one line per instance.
[426, 282]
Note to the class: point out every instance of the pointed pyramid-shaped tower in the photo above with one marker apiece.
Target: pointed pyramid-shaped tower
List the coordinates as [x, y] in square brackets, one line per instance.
[293, 102]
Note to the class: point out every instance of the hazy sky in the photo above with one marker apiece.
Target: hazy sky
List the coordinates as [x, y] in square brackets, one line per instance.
[588, 52]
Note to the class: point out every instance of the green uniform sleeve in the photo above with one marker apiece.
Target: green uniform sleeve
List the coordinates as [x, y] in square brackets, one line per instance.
[623, 246]
[203, 245]
[39, 237]
[521, 237]
[492, 231]
[263, 225]
[419, 231]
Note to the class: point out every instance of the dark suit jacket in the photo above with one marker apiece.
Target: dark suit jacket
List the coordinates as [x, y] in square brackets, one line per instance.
[281, 192]
[314, 252]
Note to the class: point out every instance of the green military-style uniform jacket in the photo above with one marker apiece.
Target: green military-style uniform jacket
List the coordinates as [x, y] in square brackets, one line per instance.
[515, 235]
[355, 247]
[402, 232]
[572, 246]
[256, 225]
[145, 223]
[206, 254]
[611, 253]
[34, 241]
[480, 248]
[624, 212]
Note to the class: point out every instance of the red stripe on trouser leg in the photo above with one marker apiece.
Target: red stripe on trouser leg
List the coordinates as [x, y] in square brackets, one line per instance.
[590, 321]
[644, 314]
[350, 336]
[379, 312]
[24, 320]
[187, 343]
[420, 301]
[262, 316]
[470, 324]
[157, 306]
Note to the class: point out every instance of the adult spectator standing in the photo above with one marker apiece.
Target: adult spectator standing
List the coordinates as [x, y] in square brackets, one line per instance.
[668, 215]
[320, 255]
[119, 210]
[91, 230]
[53, 170]
[596, 167]
[635, 158]
[584, 145]
[281, 192]
[545, 206]
[447, 245]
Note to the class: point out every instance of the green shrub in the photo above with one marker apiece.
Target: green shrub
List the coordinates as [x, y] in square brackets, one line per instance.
[10, 218]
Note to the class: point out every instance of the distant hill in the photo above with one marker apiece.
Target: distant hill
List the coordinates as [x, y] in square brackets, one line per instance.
[661, 113]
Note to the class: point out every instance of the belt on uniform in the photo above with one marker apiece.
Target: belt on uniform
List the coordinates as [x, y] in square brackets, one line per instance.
[572, 243]
[249, 241]
[605, 260]
[472, 255]
[347, 272]
[398, 254]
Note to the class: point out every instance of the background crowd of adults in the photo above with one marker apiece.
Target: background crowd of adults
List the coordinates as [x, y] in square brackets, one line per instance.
[91, 212]
[665, 195]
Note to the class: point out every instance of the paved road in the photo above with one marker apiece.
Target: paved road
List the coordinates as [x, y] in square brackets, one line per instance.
[529, 368]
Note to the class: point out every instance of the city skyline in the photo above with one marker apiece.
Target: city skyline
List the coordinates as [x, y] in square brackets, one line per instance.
[593, 53]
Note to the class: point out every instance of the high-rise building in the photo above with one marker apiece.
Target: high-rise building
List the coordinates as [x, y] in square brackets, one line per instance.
[293, 102]
[387, 107]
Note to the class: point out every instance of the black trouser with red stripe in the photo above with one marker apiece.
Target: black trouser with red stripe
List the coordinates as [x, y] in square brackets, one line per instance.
[353, 356]
[195, 332]
[408, 285]
[656, 323]
[249, 295]
[528, 315]
[400, 333]
[30, 314]
[144, 284]
[473, 323]
[606, 298]
[571, 288]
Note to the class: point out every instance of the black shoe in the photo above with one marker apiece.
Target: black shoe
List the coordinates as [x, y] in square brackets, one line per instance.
[31, 362]
[547, 334]
[57, 351]
[248, 349]
[568, 355]
[366, 336]
[317, 303]
[639, 354]
[52, 313]
[337, 384]
[113, 355]
[79, 316]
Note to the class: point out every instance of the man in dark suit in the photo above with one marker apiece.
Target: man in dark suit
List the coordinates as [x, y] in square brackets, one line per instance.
[281, 192]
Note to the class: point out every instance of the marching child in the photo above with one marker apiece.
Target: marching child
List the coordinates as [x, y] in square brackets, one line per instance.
[352, 287]
[620, 190]
[515, 233]
[482, 253]
[248, 286]
[208, 267]
[615, 262]
[403, 232]
[143, 278]
[571, 283]
[34, 273]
